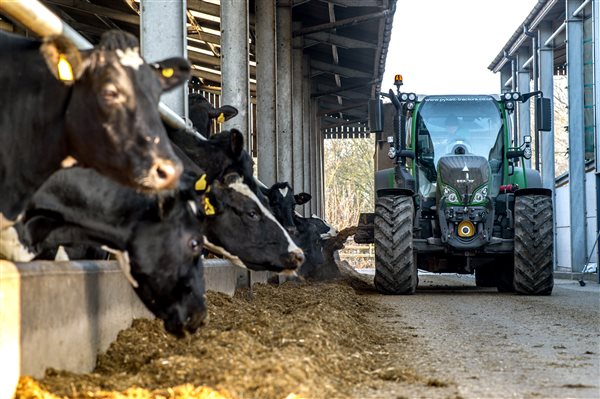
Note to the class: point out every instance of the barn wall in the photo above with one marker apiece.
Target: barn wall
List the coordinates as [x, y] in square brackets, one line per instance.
[563, 222]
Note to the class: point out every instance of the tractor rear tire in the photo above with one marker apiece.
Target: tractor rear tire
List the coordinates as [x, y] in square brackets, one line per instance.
[395, 265]
[534, 245]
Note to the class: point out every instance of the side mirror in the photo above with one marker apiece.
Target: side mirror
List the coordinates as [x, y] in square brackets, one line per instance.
[376, 115]
[543, 114]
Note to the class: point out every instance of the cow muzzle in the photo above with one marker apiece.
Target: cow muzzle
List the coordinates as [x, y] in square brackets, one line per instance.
[295, 259]
[164, 175]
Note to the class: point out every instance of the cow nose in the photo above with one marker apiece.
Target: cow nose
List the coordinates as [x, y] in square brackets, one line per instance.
[296, 257]
[164, 174]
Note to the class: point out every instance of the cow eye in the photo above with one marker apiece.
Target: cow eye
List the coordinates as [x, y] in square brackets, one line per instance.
[110, 94]
[194, 245]
[253, 215]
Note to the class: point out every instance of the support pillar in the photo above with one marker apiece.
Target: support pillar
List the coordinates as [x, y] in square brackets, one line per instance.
[284, 94]
[596, 24]
[163, 34]
[313, 154]
[307, 129]
[266, 93]
[546, 85]
[576, 137]
[505, 75]
[523, 86]
[297, 119]
[235, 65]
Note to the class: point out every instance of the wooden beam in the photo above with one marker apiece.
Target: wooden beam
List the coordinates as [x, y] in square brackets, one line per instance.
[343, 88]
[204, 7]
[215, 77]
[82, 6]
[348, 72]
[340, 41]
[356, 3]
[341, 23]
[340, 109]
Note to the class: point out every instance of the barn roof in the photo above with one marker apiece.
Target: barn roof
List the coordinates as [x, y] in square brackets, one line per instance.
[347, 41]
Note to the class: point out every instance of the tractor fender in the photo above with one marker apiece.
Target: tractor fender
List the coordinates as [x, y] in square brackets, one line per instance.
[534, 191]
[533, 178]
[386, 192]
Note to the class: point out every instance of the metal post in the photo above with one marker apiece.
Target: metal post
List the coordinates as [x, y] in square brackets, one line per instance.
[576, 137]
[321, 178]
[235, 64]
[297, 119]
[266, 93]
[546, 82]
[523, 86]
[596, 24]
[284, 93]
[313, 153]
[505, 75]
[306, 131]
[163, 34]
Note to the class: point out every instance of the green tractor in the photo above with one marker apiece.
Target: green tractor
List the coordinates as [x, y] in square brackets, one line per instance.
[453, 195]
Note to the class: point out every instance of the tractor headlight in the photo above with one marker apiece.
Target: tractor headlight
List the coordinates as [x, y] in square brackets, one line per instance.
[510, 105]
[412, 97]
[507, 96]
[516, 96]
[480, 194]
[450, 194]
[404, 96]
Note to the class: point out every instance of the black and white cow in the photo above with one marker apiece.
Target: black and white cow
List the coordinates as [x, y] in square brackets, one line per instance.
[99, 107]
[202, 113]
[156, 237]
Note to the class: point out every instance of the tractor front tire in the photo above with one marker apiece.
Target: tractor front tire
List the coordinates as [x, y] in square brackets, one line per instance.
[534, 245]
[395, 266]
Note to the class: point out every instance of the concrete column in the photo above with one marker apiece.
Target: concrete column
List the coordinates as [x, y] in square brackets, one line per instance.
[576, 137]
[284, 94]
[321, 177]
[306, 131]
[523, 86]
[596, 24]
[266, 93]
[235, 64]
[163, 34]
[297, 119]
[546, 84]
[319, 168]
[313, 154]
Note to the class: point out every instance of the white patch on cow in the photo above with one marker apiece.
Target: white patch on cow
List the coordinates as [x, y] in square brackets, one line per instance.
[5, 223]
[124, 263]
[243, 189]
[130, 57]
[283, 191]
[68, 162]
[332, 230]
[289, 273]
[61, 254]
[11, 247]
[217, 250]
[193, 206]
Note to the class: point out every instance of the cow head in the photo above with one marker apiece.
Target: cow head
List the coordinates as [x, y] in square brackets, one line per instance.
[157, 241]
[326, 230]
[112, 120]
[308, 238]
[166, 263]
[283, 201]
[202, 113]
[239, 224]
[221, 154]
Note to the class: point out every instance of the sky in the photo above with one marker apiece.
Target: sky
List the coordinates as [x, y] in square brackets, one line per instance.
[445, 46]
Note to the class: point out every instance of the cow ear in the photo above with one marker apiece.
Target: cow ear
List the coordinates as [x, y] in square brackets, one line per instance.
[302, 198]
[172, 72]
[62, 57]
[227, 111]
[236, 143]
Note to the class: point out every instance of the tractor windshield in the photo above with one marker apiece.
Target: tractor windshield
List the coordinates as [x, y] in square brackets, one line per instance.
[457, 125]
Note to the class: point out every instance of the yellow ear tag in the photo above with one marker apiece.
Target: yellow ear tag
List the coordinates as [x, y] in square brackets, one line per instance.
[221, 118]
[168, 72]
[209, 209]
[200, 183]
[65, 72]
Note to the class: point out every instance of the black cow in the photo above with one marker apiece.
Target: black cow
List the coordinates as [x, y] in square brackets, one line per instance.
[157, 237]
[99, 107]
[304, 231]
[202, 113]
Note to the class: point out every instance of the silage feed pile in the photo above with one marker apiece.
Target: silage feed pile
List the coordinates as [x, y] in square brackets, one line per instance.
[292, 341]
